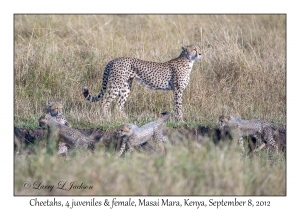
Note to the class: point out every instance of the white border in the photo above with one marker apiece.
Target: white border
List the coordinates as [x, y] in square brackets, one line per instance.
[8, 8]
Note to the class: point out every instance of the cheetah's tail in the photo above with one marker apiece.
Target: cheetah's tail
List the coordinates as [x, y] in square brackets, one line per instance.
[90, 98]
[165, 116]
[95, 98]
[87, 95]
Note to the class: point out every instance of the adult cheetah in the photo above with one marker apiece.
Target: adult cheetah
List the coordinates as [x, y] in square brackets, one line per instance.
[172, 75]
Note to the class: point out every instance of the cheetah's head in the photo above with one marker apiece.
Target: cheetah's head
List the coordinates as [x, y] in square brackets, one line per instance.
[224, 121]
[126, 130]
[55, 108]
[191, 52]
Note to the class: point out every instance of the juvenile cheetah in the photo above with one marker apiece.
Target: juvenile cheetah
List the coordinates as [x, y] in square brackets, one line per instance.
[137, 136]
[172, 75]
[254, 128]
[72, 138]
[55, 110]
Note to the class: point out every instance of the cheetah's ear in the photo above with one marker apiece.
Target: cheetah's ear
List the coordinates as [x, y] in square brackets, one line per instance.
[50, 104]
[183, 48]
[221, 117]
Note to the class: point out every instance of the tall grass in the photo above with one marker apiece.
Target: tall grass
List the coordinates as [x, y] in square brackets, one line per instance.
[183, 170]
[242, 71]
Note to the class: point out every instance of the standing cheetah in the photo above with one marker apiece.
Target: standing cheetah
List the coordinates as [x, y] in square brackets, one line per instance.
[55, 110]
[137, 136]
[254, 128]
[172, 75]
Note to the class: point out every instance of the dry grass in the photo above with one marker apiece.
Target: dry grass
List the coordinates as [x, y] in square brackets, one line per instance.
[184, 170]
[242, 71]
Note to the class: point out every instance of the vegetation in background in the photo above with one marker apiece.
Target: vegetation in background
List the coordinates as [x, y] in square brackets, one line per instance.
[241, 73]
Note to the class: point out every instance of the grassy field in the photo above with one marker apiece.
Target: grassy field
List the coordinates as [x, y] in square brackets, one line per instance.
[242, 73]
[185, 169]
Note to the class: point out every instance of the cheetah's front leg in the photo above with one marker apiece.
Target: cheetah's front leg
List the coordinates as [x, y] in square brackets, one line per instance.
[241, 142]
[122, 149]
[178, 105]
[258, 141]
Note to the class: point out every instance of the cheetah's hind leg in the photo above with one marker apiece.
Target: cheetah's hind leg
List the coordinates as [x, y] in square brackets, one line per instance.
[110, 96]
[123, 95]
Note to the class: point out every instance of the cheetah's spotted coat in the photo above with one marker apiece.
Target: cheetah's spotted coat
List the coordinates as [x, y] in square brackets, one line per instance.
[71, 138]
[255, 128]
[172, 75]
[137, 136]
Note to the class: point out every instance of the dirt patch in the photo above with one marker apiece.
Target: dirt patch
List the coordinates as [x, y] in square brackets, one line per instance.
[183, 134]
[27, 136]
